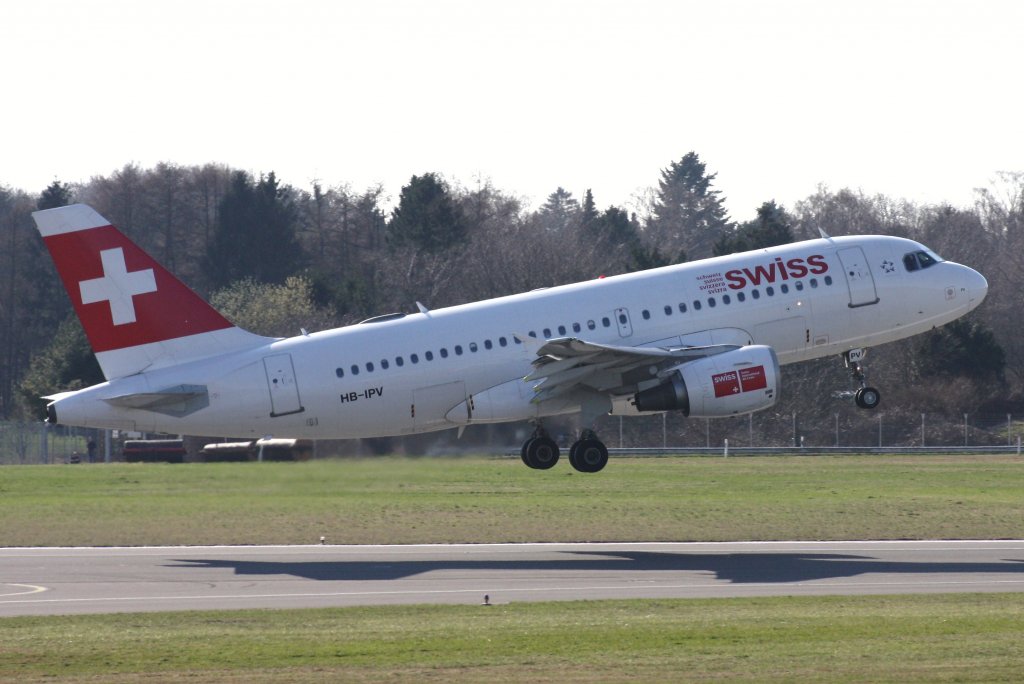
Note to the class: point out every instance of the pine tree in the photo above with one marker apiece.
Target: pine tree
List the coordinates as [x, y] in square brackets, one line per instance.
[560, 211]
[773, 226]
[688, 214]
[426, 217]
[255, 233]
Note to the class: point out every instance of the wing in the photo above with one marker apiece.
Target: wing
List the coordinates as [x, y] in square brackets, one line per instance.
[565, 364]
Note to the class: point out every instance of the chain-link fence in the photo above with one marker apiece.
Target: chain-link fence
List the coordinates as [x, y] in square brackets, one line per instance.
[39, 443]
[841, 429]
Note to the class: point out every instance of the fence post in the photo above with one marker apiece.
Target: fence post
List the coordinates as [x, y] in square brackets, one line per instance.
[750, 429]
[965, 429]
[837, 429]
[707, 432]
[620, 432]
[922, 429]
[879, 430]
[664, 430]
[1009, 427]
[726, 455]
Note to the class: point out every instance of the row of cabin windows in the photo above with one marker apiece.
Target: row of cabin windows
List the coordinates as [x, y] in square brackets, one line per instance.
[769, 291]
[576, 327]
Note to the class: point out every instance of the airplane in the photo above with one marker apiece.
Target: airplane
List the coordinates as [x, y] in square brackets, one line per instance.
[705, 338]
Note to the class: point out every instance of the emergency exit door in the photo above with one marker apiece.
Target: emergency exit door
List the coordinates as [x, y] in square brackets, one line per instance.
[284, 390]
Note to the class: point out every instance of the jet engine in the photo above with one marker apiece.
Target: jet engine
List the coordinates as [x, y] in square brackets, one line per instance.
[740, 381]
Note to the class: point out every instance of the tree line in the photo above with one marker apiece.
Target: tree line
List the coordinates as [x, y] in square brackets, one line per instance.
[276, 258]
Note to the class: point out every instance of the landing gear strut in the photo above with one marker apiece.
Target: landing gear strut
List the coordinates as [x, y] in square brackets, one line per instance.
[865, 397]
[540, 451]
[588, 454]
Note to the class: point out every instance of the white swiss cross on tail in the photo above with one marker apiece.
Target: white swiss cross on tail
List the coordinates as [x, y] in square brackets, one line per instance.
[117, 286]
[137, 315]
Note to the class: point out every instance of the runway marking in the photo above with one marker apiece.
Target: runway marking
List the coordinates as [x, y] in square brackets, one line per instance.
[30, 589]
[490, 588]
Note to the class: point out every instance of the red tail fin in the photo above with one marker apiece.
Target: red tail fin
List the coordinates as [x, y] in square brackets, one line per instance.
[136, 314]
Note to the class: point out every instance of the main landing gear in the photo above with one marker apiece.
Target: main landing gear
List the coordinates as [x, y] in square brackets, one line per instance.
[587, 454]
[865, 397]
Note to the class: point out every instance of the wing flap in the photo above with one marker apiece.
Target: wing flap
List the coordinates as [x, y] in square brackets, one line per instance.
[566, 364]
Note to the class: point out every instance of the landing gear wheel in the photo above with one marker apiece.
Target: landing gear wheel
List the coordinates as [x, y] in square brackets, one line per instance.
[867, 397]
[540, 453]
[588, 455]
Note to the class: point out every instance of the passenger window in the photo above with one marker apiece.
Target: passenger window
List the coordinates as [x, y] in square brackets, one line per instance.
[399, 361]
[711, 302]
[429, 356]
[355, 369]
[741, 297]
[814, 283]
[472, 347]
[547, 334]
[622, 319]
[799, 285]
[532, 334]
[605, 322]
[696, 305]
[369, 366]
[755, 293]
[502, 341]
[444, 352]
[726, 299]
[682, 307]
[339, 372]
[784, 288]
[458, 350]
[414, 358]
[575, 327]
[770, 291]
[487, 344]
[646, 314]
[828, 280]
[668, 310]
[591, 325]
[384, 364]
[561, 331]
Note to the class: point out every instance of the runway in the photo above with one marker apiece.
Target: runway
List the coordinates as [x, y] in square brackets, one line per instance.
[60, 581]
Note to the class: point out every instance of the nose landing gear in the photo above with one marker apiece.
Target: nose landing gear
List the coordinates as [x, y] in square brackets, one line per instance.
[865, 397]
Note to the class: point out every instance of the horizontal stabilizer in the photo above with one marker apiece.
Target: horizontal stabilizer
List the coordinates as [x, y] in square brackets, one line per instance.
[180, 400]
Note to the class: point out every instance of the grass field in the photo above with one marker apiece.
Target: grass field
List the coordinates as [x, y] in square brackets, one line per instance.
[398, 500]
[946, 638]
[969, 637]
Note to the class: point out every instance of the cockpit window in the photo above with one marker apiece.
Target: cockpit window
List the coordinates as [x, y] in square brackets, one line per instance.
[913, 261]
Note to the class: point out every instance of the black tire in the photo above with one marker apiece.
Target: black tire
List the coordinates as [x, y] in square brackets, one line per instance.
[588, 456]
[867, 398]
[525, 450]
[541, 453]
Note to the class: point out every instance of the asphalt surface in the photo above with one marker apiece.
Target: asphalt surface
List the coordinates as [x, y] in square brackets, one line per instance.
[60, 581]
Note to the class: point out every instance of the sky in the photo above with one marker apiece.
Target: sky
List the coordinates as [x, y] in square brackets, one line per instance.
[913, 99]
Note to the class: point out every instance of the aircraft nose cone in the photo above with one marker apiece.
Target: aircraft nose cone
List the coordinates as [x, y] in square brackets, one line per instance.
[977, 288]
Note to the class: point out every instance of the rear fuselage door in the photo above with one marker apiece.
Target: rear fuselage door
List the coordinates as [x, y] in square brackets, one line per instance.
[858, 276]
[284, 390]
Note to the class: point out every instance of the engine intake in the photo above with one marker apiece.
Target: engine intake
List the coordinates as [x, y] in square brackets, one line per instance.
[741, 381]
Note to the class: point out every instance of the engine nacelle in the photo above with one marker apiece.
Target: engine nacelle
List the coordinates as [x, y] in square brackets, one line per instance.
[740, 381]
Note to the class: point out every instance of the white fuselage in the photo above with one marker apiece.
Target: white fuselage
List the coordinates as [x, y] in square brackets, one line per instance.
[402, 376]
